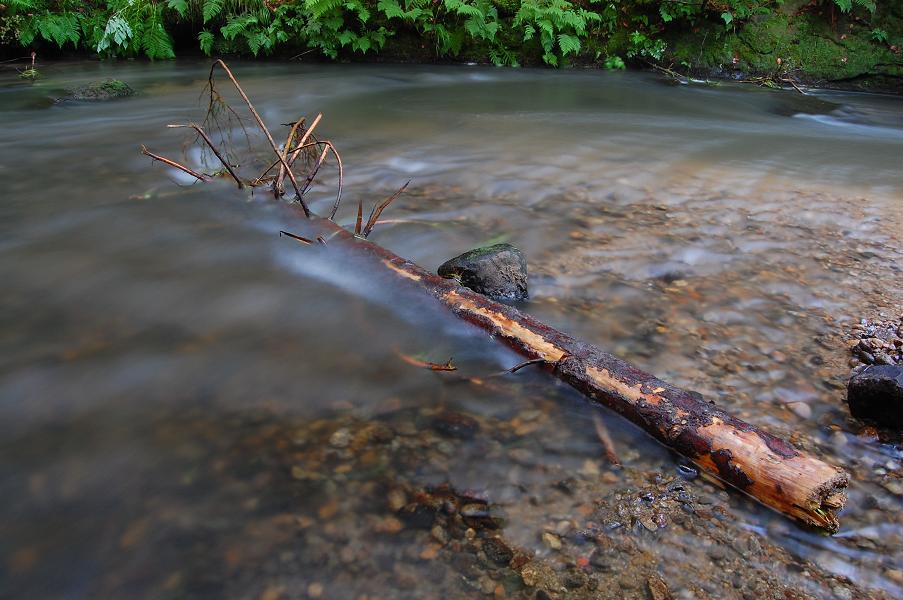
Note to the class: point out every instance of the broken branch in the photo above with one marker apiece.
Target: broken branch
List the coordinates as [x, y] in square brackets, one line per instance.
[379, 208]
[303, 240]
[263, 128]
[608, 446]
[173, 164]
[213, 148]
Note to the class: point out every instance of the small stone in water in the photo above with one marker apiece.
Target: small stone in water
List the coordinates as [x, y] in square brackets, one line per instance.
[397, 499]
[801, 409]
[649, 523]
[551, 540]
[455, 424]
[341, 438]
[438, 534]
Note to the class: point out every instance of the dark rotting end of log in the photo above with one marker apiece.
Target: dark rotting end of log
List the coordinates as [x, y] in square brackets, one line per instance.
[728, 471]
[831, 496]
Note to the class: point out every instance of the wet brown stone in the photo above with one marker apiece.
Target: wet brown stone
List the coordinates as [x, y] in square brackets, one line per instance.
[497, 551]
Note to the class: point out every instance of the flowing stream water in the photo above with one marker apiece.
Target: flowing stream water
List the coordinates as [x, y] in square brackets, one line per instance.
[180, 388]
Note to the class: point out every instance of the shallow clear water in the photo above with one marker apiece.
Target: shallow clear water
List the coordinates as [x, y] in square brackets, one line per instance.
[156, 335]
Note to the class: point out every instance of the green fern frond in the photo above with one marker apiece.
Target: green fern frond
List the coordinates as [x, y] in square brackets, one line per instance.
[238, 26]
[180, 6]
[211, 9]
[568, 44]
[205, 39]
[318, 8]
[156, 43]
[391, 8]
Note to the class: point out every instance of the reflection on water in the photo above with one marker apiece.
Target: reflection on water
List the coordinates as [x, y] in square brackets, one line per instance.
[177, 383]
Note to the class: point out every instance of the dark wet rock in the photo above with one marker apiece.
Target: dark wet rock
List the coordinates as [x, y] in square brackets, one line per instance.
[497, 551]
[791, 105]
[418, 516]
[100, 91]
[455, 424]
[498, 272]
[876, 393]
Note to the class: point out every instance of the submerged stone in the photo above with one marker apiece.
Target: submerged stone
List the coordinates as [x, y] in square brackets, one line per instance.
[456, 425]
[99, 91]
[498, 272]
[876, 393]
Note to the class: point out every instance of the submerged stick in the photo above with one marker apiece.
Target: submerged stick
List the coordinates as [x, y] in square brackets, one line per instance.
[608, 446]
[767, 468]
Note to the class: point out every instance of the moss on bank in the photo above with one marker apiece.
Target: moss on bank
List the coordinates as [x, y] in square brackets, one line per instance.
[806, 46]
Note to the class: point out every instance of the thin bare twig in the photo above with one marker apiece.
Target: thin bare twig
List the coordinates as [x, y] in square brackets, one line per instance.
[313, 173]
[174, 164]
[263, 128]
[608, 446]
[210, 117]
[338, 195]
[795, 86]
[276, 162]
[360, 216]
[310, 178]
[526, 363]
[288, 144]
[303, 240]
[379, 208]
[534, 361]
[412, 360]
[338, 157]
[213, 147]
[307, 133]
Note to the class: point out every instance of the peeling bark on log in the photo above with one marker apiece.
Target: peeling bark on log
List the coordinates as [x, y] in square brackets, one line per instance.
[767, 468]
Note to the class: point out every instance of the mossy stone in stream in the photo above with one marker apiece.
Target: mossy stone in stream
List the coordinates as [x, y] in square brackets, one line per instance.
[498, 272]
[100, 91]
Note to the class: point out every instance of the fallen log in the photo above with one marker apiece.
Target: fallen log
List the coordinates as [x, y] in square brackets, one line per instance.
[766, 467]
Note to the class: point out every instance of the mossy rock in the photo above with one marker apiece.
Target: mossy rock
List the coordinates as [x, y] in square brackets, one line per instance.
[100, 91]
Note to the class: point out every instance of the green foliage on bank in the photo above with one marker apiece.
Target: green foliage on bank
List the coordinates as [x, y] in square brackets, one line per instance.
[503, 32]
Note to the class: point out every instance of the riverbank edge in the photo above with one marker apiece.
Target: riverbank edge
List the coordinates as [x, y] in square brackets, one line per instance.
[780, 50]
